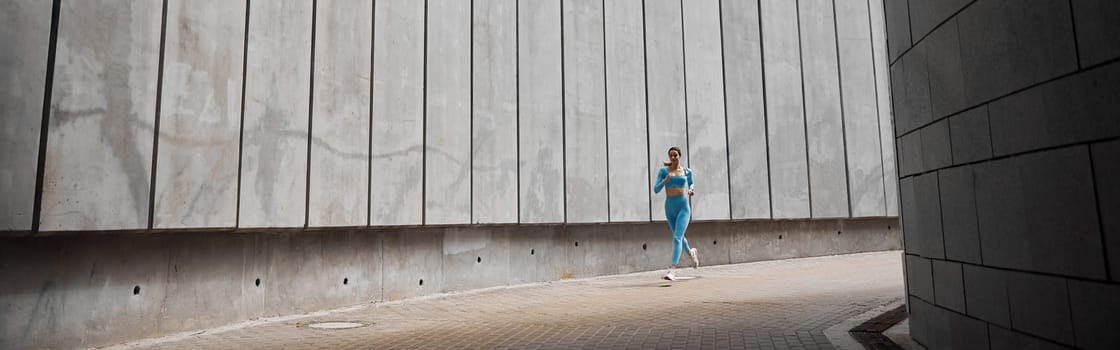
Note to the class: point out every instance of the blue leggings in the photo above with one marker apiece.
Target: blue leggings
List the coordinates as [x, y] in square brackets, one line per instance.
[678, 213]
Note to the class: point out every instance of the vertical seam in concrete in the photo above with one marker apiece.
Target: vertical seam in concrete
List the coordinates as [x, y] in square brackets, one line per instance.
[1100, 219]
[804, 111]
[909, 26]
[765, 110]
[941, 215]
[517, 94]
[1073, 24]
[726, 132]
[840, 88]
[424, 124]
[645, 70]
[964, 291]
[1069, 305]
[606, 119]
[369, 164]
[470, 169]
[37, 206]
[241, 135]
[878, 112]
[310, 115]
[155, 124]
[563, 119]
[684, 80]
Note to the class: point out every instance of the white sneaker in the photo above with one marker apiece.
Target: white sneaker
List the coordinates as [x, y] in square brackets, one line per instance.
[695, 258]
[670, 276]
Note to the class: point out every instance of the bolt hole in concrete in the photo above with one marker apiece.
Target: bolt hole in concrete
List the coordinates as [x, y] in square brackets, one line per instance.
[577, 243]
[837, 232]
[779, 236]
[421, 281]
[715, 242]
[258, 282]
[345, 281]
[643, 246]
[136, 290]
[532, 251]
[335, 325]
[479, 260]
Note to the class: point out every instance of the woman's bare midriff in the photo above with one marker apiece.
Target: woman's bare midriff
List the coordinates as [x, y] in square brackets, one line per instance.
[675, 191]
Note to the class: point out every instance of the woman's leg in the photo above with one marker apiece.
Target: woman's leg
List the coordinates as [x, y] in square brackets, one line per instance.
[679, 227]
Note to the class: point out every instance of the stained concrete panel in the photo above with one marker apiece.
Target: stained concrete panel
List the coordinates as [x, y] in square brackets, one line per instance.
[971, 137]
[398, 113]
[627, 136]
[1037, 34]
[494, 180]
[1040, 306]
[910, 154]
[704, 96]
[946, 81]
[860, 109]
[413, 263]
[200, 115]
[962, 236]
[921, 210]
[927, 14]
[340, 120]
[885, 112]
[541, 114]
[1094, 307]
[765, 240]
[1077, 108]
[1037, 212]
[919, 277]
[585, 120]
[910, 91]
[824, 123]
[99, 155]
[447, 160]
[985, 292]
[538, 253]
[476, 257]
[664, 38]
[1106, 180]
[936, 151]
[749, 170]
[948, 285]
[1098, 25]
[789, 167]
[24, 68]
[1004, 339]
[277, 97]
[897, 15]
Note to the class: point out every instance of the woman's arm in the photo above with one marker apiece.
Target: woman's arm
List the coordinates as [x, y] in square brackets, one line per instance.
[657, 186]
[688, 175]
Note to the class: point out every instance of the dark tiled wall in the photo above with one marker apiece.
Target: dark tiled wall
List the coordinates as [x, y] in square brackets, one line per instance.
[1007, 122]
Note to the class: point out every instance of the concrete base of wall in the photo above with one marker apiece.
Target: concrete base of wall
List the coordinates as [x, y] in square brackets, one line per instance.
[100, 289]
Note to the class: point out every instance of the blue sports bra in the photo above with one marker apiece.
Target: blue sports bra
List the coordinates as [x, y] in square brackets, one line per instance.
[675, 181]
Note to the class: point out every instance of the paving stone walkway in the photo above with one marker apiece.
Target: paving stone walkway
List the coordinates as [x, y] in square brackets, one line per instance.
[784, 304]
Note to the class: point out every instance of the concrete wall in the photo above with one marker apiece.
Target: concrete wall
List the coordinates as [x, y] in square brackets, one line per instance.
[408, 114]
[425, 123]
[1007, 139]
[96, 290]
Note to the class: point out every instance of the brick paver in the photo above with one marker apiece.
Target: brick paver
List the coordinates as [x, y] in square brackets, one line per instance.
[783, 304]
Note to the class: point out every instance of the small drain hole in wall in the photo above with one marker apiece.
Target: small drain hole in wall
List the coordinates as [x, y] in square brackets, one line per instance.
[779, 236]
[479, 260]
[136, 290]
[345, 281]
[258, 282]
[837, 232]
[715, 242]
[888, 227]
[577, 243]
[421, 281]
[532, 252]
[643, 246]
